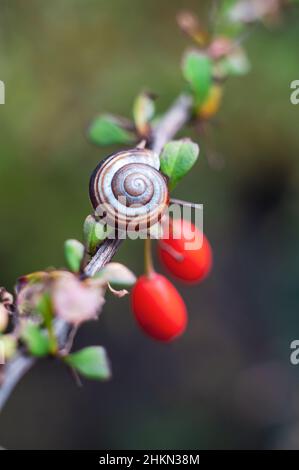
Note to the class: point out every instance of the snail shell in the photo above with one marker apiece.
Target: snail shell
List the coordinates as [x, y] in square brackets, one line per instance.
[128, 189]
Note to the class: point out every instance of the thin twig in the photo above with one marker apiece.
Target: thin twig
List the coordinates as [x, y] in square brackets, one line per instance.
[173, 120]
[104, 254]
[21, 363]
[14, 371]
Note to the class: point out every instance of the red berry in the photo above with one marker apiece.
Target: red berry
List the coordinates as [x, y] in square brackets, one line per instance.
[190, 265]
[158, 307]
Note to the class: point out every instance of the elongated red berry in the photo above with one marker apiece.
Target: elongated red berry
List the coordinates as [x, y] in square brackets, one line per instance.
[158, 307]
[183, 254]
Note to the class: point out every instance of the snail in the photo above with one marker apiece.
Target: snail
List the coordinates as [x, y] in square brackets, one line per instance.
[128, 190]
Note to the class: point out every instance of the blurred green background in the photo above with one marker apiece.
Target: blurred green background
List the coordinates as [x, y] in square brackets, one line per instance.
[228, 382]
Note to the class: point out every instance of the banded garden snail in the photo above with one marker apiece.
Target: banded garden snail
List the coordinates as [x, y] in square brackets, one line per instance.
[128, 190]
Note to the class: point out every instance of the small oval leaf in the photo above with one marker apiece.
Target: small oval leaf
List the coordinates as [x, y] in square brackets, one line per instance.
[94, 233]
[107, 130]
[177, 158]
[36, 340]
[8, 344]
[236, 63]
[91, 362]
[143, 112]
[73, 252]
[117, 274]
[197, 70]
[212, 104]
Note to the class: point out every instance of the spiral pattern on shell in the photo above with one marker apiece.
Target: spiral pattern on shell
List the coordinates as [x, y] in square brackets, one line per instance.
[128, 190]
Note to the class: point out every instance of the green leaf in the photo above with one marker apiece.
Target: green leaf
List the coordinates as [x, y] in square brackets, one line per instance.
[177, 158]
[45, 308]
[94, 233]
[73, 252]
[226, 7]
[36, 340]
[197, 70]
[91, 362]
[8, 346]
[107, 130]
[117, 274]
[236, 63]
[225, 23]
[143, 112]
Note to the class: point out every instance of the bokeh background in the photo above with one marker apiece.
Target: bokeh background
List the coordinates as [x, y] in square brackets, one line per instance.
[228, 382]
